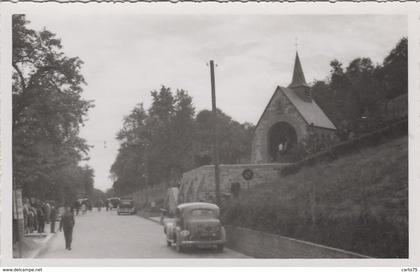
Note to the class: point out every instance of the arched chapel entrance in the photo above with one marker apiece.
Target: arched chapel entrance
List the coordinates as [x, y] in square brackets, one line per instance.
[282, 139]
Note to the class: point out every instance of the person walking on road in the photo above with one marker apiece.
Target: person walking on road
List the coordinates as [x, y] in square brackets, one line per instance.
[83, 208]
[53, 216]
[76, 206]
[47, 210]
[67, 224]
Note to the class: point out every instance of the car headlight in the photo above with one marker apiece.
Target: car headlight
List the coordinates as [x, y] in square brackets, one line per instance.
[185, 233]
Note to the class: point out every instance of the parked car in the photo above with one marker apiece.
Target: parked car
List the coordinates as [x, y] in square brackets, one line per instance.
[196, 224]
[126, 206]
[114, 201]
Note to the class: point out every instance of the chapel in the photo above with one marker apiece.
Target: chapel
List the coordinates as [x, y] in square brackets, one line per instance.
[290, 116]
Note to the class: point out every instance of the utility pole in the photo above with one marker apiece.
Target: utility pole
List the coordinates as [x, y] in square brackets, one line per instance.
[215, 135]
[146, 171]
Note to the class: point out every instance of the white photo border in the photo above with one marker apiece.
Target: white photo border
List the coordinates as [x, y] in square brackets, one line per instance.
[412, 10]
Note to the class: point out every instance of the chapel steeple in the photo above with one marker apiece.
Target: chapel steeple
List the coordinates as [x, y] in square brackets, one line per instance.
[298, 76]
[299, 84]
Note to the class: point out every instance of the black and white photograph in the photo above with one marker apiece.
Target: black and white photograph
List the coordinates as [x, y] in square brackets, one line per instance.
[209, 136]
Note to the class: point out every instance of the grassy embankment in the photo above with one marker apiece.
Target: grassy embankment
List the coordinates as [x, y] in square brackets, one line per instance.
[358, 202]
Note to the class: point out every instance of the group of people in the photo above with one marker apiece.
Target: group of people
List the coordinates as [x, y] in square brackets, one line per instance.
[36, 214]
[84, 205]
[81, 206]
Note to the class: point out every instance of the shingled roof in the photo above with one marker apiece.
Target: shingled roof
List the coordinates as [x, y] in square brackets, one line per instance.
[310, 111]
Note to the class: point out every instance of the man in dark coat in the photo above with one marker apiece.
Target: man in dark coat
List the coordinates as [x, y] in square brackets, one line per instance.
[67, 224]
[40, 218]
[53, 216]
[76, 206]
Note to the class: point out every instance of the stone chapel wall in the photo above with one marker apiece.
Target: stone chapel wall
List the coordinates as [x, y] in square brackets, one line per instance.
[279, 110]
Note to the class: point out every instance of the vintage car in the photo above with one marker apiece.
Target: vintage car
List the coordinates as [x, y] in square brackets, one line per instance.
[196, 224]
[126, 205]
[113, 202]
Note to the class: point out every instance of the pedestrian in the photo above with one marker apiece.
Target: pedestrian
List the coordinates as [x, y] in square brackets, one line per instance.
[41, 219]
[67, 224]
[83, 208]
[99, 205]
[47, 210]
[53, 217]
[25, 219]
[34, 219]
[76, 206]
[31, 220]
[107, 204]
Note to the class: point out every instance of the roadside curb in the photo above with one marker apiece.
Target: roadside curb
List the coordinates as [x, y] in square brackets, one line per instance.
[149, 218]
[43, 248]
[155, 220]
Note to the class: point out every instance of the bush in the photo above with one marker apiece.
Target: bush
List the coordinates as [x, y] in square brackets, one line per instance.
[358, 203]
[372, 139]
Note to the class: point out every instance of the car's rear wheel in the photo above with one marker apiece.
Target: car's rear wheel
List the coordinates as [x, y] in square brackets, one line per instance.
[168, 243]
[220, 248]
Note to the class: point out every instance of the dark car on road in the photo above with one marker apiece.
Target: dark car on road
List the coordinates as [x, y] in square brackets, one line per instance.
[113, 202]
[196, 224]
[126, 205]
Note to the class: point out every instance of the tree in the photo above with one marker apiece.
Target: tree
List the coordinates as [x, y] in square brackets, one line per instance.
[364, 87]
[394, 71]
[160, 141]
[47, 111]
[326, 97]
[98, 197]
[156, 144]
[341, 86]
[356, 97]
[169, 139]
[234, 138]
[182, 132]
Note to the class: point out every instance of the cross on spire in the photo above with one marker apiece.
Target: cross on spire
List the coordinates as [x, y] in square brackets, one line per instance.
[296, 44]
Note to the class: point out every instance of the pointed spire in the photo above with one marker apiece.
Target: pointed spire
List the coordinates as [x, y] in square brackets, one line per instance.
[298, 76]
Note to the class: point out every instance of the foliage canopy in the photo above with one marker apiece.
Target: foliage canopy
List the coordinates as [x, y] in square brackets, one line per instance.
[48, 111]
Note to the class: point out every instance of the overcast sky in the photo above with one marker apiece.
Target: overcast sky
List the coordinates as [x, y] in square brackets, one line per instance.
[128, 56]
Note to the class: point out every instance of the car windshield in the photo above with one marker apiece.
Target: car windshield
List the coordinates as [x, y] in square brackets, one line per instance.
[203, 213]
[126, 203]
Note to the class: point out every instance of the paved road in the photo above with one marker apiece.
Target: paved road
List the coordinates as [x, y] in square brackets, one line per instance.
[108, 235]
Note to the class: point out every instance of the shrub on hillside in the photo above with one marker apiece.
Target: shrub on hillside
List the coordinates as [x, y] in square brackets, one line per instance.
[372, 139]
[358, 203]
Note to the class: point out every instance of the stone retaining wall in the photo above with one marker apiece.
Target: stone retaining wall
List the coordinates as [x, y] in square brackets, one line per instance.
[198, 184]
[259, 244]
